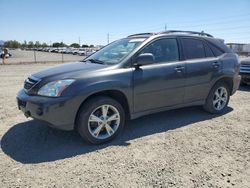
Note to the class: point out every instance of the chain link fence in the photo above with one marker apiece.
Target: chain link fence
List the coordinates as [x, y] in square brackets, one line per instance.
[30, 56]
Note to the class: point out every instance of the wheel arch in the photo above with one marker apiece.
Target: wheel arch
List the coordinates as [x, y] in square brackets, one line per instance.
[115, 94]
[226, 79]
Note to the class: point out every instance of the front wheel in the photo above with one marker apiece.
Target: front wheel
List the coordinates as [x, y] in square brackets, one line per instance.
[100, 120]
[218, 98]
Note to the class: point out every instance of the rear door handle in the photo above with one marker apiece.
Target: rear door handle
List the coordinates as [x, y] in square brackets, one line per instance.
[179, 69]
[216, 65]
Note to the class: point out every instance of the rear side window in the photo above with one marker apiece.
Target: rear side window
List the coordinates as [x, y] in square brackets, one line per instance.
[193, 48]
[164, 50]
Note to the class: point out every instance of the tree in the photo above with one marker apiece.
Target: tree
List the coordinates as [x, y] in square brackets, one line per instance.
[24, 44]
[75, 45]
[44, 45]
[37, 44]
[30, 44]
[85, 46]
[58, 44]
[12, 44]
[91, 46]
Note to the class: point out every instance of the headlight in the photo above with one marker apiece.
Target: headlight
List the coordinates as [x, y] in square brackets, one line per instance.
[54, 89]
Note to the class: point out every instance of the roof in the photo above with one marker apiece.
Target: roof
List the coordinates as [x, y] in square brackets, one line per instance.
[171, 32]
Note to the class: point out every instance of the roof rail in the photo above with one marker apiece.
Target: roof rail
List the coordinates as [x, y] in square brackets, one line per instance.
[141, 34]
[202, 33]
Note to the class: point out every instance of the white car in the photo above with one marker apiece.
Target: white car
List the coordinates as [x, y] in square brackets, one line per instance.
[75, 51]
[88, 53]
[82, 52]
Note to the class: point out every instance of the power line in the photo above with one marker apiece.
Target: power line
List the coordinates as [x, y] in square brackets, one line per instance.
[198, 23]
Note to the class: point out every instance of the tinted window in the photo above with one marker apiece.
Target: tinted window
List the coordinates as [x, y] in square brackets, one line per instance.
[216, 51]
[193, 48]
[208, 51]
[164, 50]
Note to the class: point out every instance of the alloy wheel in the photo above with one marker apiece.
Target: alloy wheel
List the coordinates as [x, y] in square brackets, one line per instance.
[220, 98]
[104, 121]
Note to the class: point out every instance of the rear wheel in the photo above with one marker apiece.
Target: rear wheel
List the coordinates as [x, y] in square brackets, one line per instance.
[218, 98]
[100, 120]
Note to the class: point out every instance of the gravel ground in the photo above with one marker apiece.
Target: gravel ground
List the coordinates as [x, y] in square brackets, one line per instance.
[179, 148]
[22, 56]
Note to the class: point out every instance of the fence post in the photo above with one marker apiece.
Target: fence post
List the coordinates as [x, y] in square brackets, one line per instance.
[35, 55]
[62, 58]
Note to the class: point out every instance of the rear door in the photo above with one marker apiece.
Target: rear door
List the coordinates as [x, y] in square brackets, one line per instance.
[161, 83]
[201, 67]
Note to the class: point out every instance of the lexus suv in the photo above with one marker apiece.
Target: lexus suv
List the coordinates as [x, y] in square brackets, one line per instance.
[138, 75]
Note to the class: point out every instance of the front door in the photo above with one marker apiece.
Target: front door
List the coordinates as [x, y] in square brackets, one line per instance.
[161, 83]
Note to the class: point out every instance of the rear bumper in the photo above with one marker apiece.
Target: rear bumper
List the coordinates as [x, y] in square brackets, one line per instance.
[58, 112]
[236, 84]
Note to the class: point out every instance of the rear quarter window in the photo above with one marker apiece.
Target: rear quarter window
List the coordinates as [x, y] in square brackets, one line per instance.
[208, 51]
[216, 51]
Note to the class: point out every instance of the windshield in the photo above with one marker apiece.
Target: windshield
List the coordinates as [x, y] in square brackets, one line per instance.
[115, 52]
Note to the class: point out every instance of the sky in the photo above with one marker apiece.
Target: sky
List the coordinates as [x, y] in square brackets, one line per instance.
[92, 20]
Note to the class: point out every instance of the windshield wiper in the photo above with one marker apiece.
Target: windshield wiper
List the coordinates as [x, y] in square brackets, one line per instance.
[94, 61]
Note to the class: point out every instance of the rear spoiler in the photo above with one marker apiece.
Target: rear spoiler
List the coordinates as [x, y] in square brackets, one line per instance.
[221, 40]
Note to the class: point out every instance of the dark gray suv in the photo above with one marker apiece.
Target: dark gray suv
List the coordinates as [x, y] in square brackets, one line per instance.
[135, 76]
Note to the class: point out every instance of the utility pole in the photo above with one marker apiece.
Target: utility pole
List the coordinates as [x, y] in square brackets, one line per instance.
[108, 38]
[165, 27]
[79, 40]
[62, 53]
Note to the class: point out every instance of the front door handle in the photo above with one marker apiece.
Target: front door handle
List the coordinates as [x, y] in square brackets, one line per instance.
[179, 69]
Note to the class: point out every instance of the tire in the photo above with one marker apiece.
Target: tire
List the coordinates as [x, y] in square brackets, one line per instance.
[93, 120]
[212, 102]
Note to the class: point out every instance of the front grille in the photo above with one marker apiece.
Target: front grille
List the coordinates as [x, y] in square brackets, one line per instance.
[245, 68]
[30, 82]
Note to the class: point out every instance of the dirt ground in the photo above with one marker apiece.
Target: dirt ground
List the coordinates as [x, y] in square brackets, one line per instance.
[179, 148]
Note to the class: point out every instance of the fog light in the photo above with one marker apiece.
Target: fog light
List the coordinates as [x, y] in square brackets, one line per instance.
[27, 114]
[39, 111]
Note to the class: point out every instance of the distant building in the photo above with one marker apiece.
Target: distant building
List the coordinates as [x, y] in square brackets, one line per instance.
[239, 48]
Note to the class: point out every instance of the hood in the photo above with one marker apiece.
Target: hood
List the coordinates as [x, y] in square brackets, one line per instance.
[245, 61]
[69, 70]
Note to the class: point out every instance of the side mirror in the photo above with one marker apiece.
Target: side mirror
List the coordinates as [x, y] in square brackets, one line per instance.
[145, 59]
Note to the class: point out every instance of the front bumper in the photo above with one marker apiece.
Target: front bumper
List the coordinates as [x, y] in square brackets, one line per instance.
[58, 112]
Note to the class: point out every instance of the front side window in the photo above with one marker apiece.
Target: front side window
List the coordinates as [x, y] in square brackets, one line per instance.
[193, 48]
[164, 50]
[115, 52]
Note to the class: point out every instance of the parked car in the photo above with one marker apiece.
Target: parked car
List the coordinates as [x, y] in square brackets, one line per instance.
[61, 50]
[54, 50]
[245, 71]
[81, 52]
[132, 77]
[68, 51]
[2, 53]
[88, 53]
[75, 51]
